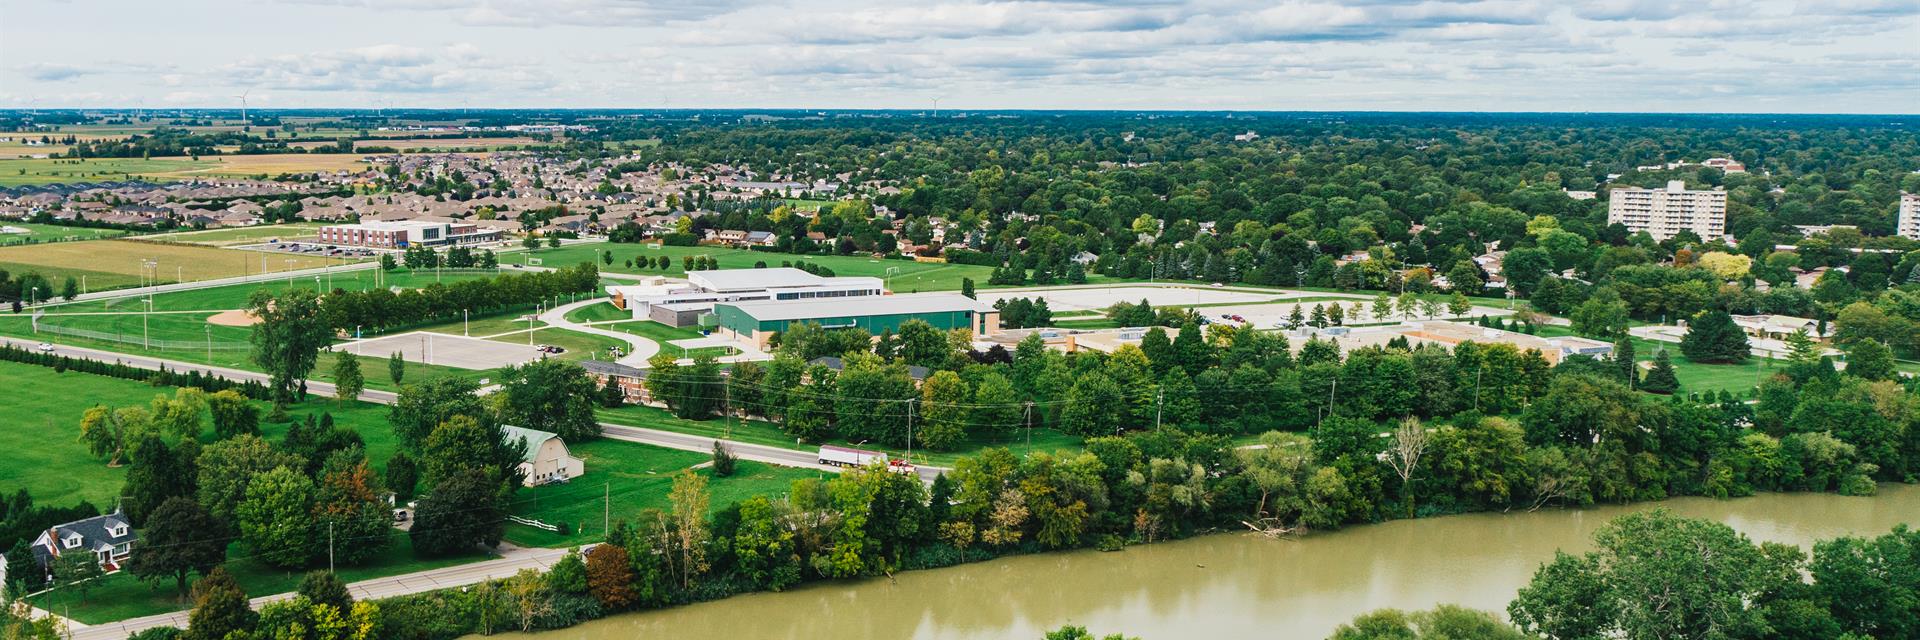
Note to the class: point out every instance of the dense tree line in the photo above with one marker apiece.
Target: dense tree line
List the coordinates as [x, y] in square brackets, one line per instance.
[381, 309]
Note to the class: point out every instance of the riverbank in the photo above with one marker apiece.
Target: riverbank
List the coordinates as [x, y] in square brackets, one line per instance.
[1234, 585]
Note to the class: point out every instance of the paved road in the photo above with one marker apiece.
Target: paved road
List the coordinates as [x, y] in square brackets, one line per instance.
[511, 561]
[640, 348]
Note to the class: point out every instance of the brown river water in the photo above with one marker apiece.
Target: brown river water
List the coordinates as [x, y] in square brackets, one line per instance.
[1230, 585]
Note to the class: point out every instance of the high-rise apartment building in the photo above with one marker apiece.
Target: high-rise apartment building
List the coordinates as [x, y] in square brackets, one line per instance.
[1663, 213]
[1908, 225]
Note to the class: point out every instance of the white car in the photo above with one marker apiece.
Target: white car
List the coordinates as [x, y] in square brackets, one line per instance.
[1217, 285]
[46, 346]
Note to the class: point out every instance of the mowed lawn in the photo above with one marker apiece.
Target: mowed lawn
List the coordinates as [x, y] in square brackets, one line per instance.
[109, 264]
[241, 235]
[42, 430]
[1696, 377]
[42, 233]
[629, 478]
[1020, 441]
[910, 277]
[602, 312]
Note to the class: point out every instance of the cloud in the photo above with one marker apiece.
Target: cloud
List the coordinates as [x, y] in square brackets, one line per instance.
[52, 72]
[387, 68]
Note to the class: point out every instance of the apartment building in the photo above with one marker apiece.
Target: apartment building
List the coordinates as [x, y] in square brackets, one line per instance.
[1664, 213]
[1908, 225]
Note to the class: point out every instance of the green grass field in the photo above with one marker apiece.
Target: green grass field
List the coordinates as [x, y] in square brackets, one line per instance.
[241, 235]
[109, 264]
[121, 595]
[603, 312]
[579, 346]
[766, 433]
[22, 171]
[910, 277]
[637, 477]
[39, 233]
[1694, 376]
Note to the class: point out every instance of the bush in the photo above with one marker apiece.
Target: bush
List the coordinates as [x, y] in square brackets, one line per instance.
[723, 460]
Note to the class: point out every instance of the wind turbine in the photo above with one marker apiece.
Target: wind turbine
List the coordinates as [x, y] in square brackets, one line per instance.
[244, 122]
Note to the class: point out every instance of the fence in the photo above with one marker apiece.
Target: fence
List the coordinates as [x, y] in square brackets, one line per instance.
[133, 339]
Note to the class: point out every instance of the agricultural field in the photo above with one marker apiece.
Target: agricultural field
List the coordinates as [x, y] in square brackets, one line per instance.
[910, 276]
[241, 235]
[637, 477]
[26, 171]
[112, 264]
[43, 233]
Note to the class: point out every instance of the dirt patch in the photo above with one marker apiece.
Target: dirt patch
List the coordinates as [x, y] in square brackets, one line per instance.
[233, 318]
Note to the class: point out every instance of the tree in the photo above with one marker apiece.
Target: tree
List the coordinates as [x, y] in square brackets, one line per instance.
[1657, 575]
[943, 399]
[966, 288]
[1446, 622]
[78, 573]
[220, 608]
[108, 432]
[347, 381]
[610, 576]
[687, 527]
[70, 289]
[396, 367]
[228, 466]
[1603, 316]
[402, 475]
[466, 509]
[1080, 633]
[178, 538]
[233, 414]
[763, 547]
[1871, 360]
[423, 406]
[158, 472]
[275, 519]
[1409, 444]
[548, 395]
[350, 506]
[1661, 378]
[1713, 337]
[288, 338]
[1459, 305]
[323, 587]
[463, 443]
[1624, 361]
[723, 459]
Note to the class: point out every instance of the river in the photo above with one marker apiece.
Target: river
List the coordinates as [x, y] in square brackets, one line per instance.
[1231, 585]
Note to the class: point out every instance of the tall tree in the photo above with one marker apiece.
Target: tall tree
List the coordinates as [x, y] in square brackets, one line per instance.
[220, 608]
[465, 510]
[179, 538]
[347, 380]
[396, 368]
[548, 395]
[1409, 445]
[275, 519]
[1713, 337]
[288, 338]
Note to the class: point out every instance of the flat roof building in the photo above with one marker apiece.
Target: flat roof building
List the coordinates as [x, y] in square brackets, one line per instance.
[756, 321]
[1908, 224]
[400, 234]
[1664, 213]
[705, 288]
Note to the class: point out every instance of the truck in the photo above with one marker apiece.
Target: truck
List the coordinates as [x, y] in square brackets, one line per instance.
[846, 457]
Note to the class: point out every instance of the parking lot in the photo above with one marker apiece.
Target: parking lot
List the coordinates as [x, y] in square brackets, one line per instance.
[315, 249]
[453, 351]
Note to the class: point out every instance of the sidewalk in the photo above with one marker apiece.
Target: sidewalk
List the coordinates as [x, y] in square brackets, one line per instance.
[511, 561]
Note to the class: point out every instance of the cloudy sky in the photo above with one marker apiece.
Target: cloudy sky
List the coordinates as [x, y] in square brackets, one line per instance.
[1505, 55]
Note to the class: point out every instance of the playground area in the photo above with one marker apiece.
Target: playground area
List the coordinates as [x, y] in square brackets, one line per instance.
[444, 350]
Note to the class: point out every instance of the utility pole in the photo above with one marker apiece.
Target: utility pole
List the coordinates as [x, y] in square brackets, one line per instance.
[329, 547]
[1159, 402]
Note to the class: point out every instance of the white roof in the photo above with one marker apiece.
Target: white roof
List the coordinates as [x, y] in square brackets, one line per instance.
[752, 279]
[859, 306]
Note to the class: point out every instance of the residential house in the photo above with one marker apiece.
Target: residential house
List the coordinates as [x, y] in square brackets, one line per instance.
[109, 538]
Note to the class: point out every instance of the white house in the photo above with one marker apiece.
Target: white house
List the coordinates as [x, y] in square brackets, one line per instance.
[547, 458]
[109, 538]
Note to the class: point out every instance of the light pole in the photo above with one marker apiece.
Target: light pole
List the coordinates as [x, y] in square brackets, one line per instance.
[209, 329]
[464, 330]
[290, 273]
[146, 342]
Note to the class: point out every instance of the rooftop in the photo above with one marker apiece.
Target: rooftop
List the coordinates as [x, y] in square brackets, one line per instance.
[861, 306]
[751, 279]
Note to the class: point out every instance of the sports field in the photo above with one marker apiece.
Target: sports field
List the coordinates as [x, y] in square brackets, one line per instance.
[112, 264]
[42, 233]
[906, 276]
[241, 235]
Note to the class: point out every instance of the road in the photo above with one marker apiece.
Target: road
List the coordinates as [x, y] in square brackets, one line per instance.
[511, 561]
[640, 348]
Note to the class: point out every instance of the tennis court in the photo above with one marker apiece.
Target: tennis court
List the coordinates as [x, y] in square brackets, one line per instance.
[441, 349]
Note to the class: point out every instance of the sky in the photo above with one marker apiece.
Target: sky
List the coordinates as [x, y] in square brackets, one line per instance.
[1733, 56]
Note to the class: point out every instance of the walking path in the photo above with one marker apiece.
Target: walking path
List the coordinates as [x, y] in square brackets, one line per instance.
[637, 356]
[512, 560]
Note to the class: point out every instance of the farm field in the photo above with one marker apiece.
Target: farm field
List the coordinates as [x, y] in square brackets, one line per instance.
[111, 264]
[241, 235]
[637, 477]
[25, 171]
[43, 233]
[911, 277]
